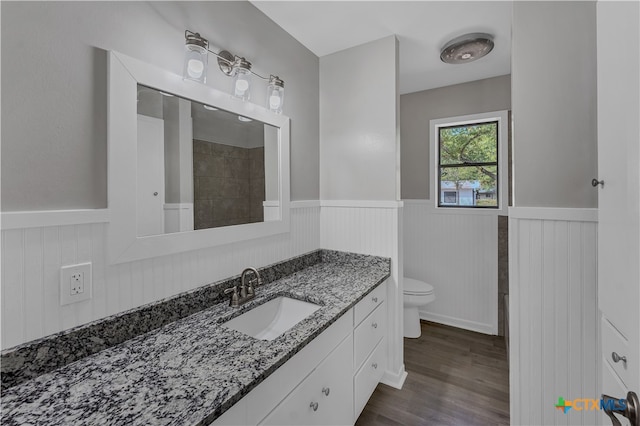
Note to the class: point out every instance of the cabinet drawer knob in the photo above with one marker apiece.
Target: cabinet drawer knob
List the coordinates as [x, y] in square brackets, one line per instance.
[326, 391]
[314, 406]
[374, 325]
[375, 299]
[617, 358]
[374, 365]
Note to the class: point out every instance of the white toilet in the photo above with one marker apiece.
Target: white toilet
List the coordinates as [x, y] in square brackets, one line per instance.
[416, 294]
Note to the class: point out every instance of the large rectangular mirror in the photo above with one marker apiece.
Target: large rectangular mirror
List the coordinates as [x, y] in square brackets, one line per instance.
[189, 166]
[202, 167]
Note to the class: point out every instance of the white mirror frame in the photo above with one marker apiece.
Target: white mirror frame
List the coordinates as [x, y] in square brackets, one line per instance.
[124, 245]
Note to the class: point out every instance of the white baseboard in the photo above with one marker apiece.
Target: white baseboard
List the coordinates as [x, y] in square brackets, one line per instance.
[394, 379]
[459, 323]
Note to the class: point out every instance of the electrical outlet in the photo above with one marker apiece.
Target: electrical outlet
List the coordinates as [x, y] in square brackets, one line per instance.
[75, 283]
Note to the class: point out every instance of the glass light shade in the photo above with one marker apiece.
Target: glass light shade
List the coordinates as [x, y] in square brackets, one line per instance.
[275, 97]
[195, 63]
[242, 84]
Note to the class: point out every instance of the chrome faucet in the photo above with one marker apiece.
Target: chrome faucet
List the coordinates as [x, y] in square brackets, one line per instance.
[247, 290]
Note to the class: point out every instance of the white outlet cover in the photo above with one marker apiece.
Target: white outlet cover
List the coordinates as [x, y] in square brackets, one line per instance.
[66, 272]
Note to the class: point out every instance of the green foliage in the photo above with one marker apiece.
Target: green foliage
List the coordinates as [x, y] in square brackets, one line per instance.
[470, 144]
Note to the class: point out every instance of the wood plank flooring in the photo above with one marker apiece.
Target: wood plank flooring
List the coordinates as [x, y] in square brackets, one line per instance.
[456, 377]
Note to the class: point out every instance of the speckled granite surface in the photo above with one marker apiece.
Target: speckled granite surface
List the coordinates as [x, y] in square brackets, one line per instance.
[25, 362]
[191, 370]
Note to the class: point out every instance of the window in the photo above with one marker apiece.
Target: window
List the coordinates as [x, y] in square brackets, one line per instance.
[468, 153]
[449, 197]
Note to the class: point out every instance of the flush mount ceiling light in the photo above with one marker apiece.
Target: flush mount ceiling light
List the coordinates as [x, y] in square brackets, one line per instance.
[466, 48]
[195, 68]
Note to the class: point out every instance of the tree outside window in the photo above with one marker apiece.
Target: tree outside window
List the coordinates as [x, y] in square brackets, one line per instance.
[468, 165]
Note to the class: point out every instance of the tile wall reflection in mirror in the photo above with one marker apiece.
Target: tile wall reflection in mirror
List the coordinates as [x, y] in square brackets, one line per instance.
[201, 167]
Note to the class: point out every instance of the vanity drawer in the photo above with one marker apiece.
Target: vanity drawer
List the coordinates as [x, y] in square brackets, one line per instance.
[368, 377]
[369, 303]
[613, 341]
[367, 335]
[323, 398]
[268, 394]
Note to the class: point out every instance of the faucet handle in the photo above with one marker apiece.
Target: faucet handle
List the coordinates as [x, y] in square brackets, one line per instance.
[250, 290]
[234, 302]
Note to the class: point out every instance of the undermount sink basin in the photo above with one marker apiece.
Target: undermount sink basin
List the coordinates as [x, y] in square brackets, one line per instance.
[271, 319]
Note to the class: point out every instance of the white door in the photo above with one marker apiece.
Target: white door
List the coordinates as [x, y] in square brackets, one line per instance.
[150, 185]
[618, 199]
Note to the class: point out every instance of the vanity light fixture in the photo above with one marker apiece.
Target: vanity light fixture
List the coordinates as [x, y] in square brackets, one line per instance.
[195, 57]
[466, 48]
[275, 94]
[209, 107]
[242, 79]
[195, 68]
[245, 119]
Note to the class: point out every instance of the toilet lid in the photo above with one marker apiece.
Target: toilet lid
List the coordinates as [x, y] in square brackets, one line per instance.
[412, 286]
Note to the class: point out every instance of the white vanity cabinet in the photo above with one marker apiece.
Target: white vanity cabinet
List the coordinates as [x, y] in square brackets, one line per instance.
[330, 380]
[323, 398]
[370, 350]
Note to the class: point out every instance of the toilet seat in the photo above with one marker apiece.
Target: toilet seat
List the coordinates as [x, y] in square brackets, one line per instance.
[416, 288]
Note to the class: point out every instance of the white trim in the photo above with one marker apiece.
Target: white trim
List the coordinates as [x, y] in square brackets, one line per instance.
[302, 204]
[459, 323]
[432, 209]
[366, 204]
[417, 202]
[177, 206]
[37, 219]
[502, 117]
[551, 213]
[394, 379]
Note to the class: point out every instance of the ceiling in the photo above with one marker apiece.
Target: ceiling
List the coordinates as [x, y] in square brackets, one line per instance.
[422, 28]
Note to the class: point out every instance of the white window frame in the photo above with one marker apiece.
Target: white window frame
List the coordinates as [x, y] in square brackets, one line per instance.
[503, 151]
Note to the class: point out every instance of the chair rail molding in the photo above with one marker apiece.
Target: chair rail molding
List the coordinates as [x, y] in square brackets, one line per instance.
[36, 219]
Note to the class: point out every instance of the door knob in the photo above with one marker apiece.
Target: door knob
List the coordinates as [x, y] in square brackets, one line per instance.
[155, 194]
[629, 408]
[596, 182]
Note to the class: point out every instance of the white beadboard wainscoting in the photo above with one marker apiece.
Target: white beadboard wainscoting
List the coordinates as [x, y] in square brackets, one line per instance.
[554, 343]
[375, 228]
[32, 256]
[456, 251]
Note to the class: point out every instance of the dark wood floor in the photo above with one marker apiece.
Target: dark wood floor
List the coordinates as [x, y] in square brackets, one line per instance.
[456, 377]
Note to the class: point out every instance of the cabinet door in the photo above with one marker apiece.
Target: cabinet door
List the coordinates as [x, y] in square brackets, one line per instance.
[369, 375]
[619, 197]
[323, 398]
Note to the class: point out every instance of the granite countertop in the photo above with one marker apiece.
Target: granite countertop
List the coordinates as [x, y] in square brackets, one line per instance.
[192, 370]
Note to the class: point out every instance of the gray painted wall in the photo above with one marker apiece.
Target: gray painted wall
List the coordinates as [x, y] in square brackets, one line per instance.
[554, 104]
[417, 109]
[358, 122]
[54, 153]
